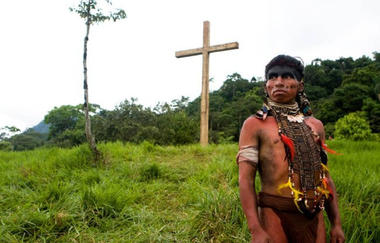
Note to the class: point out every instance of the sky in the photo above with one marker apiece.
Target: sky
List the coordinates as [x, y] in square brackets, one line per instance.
[41, 48]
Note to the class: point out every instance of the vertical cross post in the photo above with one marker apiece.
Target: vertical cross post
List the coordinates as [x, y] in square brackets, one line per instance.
[205, 52]
[205, 85]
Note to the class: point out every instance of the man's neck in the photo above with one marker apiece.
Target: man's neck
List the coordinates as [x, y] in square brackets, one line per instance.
[293, 105]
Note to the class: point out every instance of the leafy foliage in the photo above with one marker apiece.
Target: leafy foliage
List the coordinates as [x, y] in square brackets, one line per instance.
[7, 131]
[353, 127]
[339, 87]
[372, 109]
[6, 146]
[85, 8]
[131, 122]
[235, 101]
[27, 140]
[66, 125]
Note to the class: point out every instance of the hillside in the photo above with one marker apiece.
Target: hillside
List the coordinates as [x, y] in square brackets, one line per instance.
[41, 127]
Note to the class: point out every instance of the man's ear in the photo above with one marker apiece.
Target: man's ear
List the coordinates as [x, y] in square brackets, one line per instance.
[265, 90]
[301, 86]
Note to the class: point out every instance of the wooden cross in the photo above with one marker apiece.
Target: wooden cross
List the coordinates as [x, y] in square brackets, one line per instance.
[205, 51]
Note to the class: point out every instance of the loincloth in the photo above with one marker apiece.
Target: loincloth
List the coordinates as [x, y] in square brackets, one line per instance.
[296, 226]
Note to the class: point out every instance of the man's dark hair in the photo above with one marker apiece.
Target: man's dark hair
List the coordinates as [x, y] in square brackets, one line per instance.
[289, 61]
[297, 66]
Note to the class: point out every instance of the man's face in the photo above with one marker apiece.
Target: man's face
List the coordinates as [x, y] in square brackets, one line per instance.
[282, 87]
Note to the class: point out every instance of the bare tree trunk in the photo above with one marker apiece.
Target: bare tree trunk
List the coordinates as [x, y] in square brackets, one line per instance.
[89, 136]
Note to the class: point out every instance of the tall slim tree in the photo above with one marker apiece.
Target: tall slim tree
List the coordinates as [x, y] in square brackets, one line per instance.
[8, 131]
[91, 13]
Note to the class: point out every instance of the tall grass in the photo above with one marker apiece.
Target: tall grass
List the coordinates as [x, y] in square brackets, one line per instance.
[148, 193]
[356, 174]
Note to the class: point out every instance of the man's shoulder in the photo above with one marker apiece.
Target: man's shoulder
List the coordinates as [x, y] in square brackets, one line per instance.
[253, 119]
[316, 125]
[314, 121]
[254, 123]
[255, 129]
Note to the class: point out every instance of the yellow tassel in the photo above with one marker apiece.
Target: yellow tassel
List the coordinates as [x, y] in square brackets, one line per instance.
[295, 202]
[324, 192]
[324, 167]
[288, 184]
[295, 192]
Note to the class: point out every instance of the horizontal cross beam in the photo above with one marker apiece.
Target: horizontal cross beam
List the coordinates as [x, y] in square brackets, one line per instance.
[199, 51]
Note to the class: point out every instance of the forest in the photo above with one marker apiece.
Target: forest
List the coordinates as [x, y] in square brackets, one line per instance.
[345, 88]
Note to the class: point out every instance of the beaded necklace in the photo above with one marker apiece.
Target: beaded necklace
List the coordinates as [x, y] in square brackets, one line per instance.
[303, 155]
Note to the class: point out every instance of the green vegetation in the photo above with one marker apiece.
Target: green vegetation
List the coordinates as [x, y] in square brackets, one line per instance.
[353, 126]
[151, 193]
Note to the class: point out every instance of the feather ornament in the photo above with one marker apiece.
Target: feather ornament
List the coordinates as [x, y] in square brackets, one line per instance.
[324, 146]
[324, 192]
[327, 186]
[289, 144]
[324, 167]
[296, 193]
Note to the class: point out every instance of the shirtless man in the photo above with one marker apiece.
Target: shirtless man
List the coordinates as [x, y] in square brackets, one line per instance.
[286, 145]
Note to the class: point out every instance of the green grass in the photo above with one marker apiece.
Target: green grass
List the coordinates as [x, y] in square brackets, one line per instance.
[147, 193]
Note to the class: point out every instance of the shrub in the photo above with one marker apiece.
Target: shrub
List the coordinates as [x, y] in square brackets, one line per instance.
[6, 146]
[353, 127]
[150, 172]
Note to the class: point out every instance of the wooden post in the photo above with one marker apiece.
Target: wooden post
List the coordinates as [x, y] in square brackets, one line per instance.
[205, 52]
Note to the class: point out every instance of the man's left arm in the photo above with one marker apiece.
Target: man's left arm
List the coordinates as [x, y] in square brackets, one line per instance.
[336, 232]
[332, 210]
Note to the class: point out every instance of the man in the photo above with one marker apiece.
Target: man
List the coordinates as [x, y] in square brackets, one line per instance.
[286, 145]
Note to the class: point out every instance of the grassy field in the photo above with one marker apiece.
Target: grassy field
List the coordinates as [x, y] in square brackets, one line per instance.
[147, 193]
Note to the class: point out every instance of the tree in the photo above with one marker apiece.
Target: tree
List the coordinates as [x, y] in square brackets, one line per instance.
[349, 97]
[372, 109]
[66, 125]
[364, 76]
[63, 118]
[236, 100]
[86, 9]
[6, 146]
[173, 125]
[5, 133]
[315, 74]
[315, 92]
[234, 87]
[28, 140]
[327, 110]
[377, 91]
[8, 131]
[127, 122]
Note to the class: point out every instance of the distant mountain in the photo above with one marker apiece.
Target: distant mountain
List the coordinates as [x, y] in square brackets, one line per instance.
[41, 127]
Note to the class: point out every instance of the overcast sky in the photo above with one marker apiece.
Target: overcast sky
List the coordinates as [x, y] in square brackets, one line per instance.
[41, 48]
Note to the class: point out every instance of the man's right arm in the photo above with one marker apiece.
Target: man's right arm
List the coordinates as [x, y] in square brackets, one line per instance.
[247, 175]
[249, 202]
